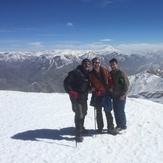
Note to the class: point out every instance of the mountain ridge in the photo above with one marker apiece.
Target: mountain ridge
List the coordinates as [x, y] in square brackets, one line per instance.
[45, 71]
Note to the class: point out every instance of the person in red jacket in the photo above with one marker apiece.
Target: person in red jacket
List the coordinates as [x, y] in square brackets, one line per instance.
[101, 81]
[77, 85]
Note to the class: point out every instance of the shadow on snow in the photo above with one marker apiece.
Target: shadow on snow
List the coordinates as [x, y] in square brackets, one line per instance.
[61, 134]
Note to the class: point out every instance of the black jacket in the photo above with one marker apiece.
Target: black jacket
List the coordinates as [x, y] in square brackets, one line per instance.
[78, 81]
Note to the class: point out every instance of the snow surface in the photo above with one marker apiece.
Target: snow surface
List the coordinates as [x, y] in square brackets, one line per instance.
[39, 128]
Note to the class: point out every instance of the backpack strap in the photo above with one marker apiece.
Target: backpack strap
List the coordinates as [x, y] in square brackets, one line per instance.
[67, 82]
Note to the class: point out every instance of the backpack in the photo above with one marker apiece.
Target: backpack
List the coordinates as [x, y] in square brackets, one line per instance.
[66, 81]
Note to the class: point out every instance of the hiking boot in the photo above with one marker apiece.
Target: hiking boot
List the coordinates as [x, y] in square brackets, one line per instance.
[79, 137]
[121, 131]
[118, 129]
[112, 131]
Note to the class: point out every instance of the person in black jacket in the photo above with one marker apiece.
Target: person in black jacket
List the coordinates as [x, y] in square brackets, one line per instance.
[77, 84]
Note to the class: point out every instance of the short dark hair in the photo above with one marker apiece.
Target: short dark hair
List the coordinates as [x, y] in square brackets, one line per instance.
[96, 58]
[113, 60]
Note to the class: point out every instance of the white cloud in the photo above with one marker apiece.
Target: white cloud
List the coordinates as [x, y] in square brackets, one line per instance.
[106, 40]
[37, 44]
[69, 24]
[79, 45]
[106, 2]
[99, 45]
[140, 47]
[101, 2]
[48, 35]
[103, 44]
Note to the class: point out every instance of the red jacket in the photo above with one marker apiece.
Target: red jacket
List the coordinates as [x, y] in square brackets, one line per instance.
[95, 82]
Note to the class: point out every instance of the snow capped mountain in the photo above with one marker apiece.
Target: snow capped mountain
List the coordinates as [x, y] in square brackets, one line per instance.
[44, 71]
[21, 56]
[64, 54]
[146, 85]
[109, 49]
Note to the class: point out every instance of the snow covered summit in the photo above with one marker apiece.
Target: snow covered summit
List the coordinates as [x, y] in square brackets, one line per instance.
[39, 128]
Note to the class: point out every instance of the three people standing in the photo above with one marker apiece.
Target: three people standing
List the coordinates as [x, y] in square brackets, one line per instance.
[104, 85]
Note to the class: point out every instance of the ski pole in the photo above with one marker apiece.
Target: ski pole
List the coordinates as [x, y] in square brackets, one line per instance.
[95, 118]
[75, 126]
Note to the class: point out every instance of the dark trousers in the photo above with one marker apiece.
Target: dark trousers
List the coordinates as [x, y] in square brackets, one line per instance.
[80, 110]
[99, 115]
[119, 112]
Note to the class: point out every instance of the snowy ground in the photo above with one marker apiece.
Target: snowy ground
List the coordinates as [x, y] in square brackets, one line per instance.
[39, 128]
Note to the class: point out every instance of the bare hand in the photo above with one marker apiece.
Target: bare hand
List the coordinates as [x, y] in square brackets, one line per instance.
[122, 97]
[92, 89]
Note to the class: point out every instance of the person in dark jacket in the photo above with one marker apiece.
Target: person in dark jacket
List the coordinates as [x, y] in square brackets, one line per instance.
[102, 84]
[77, 85]
[120, 87]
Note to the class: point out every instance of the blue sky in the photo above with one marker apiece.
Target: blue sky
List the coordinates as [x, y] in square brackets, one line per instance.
[80, 24]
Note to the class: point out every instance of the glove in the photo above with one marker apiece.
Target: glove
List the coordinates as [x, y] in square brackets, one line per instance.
[98, 93]
[73, 94]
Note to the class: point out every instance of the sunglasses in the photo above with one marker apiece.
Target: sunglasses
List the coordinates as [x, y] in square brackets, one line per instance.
[96, 63]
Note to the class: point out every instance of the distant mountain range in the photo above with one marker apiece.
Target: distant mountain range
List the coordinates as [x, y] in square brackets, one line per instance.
[146, 85]
[44, 71]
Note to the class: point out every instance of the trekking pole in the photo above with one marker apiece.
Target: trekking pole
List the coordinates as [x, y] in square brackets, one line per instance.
[76, 143]
[75, 126]
[95, 118]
